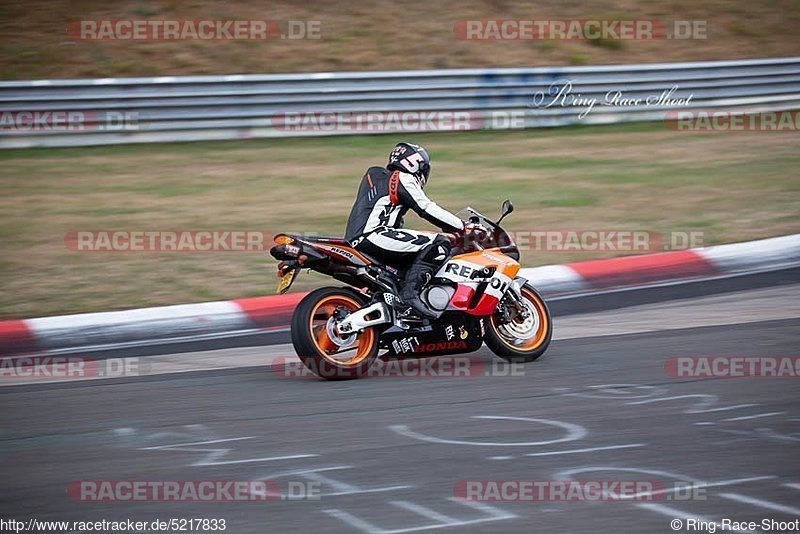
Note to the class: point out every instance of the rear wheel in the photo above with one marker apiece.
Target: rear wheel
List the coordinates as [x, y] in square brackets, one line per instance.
[318, 343]
[526, 335]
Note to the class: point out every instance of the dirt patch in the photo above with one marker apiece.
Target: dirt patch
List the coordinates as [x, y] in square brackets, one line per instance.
[373, 35]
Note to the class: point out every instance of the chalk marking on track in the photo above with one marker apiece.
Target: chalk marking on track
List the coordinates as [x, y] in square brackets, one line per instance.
[767, 505]
[793, 485]
[733, 481]
[665, 474]
[588, 469]
[362, 491]
[495, 513]
[574, 432]
[619, 391]
[769, 433]
[443, 521]
[258, 460]
[342, 488]
[295, 472]
[213, 454]
[591, 449]
[195, 432]
[763, 433]
[702, 406]
[701, 485]
[192, 444]
[426, 512]
[756, 416]
[353, 521]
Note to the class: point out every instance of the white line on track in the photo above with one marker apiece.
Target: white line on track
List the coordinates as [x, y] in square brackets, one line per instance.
[771, 434]
[427, 512]
[443, 521]
[703, 399]
[362, 491]
[701, 485]
[756, 416]
[353, 521]
[194, 443]
[573, 433]
[590, 449]
[259, 460]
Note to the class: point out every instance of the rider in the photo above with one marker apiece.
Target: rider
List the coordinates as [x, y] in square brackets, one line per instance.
[375, 222]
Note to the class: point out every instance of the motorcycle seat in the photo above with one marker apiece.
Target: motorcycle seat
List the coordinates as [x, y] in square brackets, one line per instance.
[338, 242]
[328, 240]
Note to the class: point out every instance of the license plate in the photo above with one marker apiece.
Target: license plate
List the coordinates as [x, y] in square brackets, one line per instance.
[286, 281]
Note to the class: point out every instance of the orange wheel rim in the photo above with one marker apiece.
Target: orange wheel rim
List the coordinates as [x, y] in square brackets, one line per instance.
[535, 333]
[339, 350]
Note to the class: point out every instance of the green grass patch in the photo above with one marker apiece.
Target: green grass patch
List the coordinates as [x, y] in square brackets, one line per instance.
[642, 176]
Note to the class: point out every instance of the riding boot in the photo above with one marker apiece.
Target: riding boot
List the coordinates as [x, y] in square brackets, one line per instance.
[417, 277]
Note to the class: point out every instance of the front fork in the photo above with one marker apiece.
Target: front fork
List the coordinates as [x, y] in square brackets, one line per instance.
[514, 297]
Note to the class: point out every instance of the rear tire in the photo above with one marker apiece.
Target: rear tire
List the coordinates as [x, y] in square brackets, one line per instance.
[321, 349]
[522, 341]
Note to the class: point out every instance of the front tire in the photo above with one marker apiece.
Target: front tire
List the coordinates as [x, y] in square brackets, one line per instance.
[522, 340]
[318, 344]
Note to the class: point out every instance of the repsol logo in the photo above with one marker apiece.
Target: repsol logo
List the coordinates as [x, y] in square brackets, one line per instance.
[342, 252]
[496, 283]
[459, 270]
[442, 345]
[466, 271]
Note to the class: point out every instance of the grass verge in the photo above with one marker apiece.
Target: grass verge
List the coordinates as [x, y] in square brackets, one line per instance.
[730, 186]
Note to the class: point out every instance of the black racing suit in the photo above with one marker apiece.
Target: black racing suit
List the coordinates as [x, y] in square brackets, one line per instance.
[375, 223]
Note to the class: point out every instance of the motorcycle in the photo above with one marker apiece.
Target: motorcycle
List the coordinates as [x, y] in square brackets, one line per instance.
[477, 296]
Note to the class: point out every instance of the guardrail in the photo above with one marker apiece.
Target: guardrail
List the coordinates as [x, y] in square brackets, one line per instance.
[193, 108]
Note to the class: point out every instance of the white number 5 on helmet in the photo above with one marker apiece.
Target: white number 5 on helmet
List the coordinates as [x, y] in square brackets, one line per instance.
[412, 162]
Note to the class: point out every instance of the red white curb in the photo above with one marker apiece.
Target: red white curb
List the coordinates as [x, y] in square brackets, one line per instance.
[751, 256]
[187, 321]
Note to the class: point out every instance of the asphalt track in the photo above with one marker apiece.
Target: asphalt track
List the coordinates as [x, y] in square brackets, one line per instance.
[386, 453]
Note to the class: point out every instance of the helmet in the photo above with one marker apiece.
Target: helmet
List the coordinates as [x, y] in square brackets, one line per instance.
[413, 159]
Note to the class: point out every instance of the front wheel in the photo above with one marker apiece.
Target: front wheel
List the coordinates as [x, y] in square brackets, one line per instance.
[526, 336]
[318, 343]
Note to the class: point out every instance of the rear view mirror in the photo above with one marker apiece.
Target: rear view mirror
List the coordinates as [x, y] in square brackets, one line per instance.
[507, 208]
